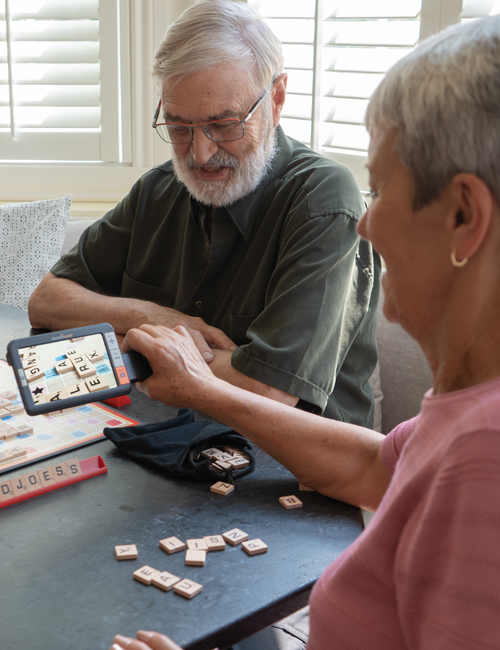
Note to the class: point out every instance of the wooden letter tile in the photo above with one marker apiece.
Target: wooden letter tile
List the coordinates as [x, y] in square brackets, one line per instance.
[73, 466]
[8, 394]
[57, 395]
[238, 462]
[46, 476]
[22, 428]
[128, 552]
[187, 588]
[304, 488]
[195, 558]
[172, 545]
[254, 547]
[215, 543]
[96, 384]
[290, 502]
[196, 544]
[222, 488]
[18, 452]
[4, 402]
[19, 485]
[64, 366]
[85, 369]
[60, 472]
[6, 491]
[77, 389]
[34, 373]
[235, 536]
[15, 408]
[33, 481]
[5, 457]
[94, 356]
[165, 580]
[145, 574]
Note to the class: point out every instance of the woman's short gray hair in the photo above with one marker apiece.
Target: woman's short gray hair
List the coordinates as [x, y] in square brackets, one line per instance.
[219, 31]
[444, 101]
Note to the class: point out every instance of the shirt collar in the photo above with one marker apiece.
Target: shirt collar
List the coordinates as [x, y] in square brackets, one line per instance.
[244, 212]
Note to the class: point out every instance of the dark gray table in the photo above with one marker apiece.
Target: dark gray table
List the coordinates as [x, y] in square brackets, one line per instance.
[61, 587]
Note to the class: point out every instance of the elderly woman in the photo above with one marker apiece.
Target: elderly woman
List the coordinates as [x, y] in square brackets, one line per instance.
[426, 572]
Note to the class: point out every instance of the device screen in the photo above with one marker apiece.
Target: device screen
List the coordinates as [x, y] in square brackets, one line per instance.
[67, 368]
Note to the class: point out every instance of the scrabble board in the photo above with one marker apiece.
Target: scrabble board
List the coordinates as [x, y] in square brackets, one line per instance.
[54, 433]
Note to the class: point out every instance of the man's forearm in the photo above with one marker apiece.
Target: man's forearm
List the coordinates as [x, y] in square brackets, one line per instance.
[222, 368]
[60, 304]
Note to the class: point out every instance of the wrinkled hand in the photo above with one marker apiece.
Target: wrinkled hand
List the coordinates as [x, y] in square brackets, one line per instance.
[180, 376]
[205, 336]
[146, 641]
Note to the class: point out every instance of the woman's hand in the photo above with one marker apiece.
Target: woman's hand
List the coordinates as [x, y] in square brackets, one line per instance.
[181, 377]
[146, 641]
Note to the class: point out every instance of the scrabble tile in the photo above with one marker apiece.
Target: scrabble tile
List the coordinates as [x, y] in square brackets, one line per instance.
[215, 543]
[85, 369]
[60, 472]
[39, 399]
[195, 557]
[128, 552]
[63, 366]
[7, 432]
[4, 402]
[290, 502]
[72, 352]
[212, 452]
[73, 466]
[238, 461]
[57, 395]
[196, 544]
[46, 476]
[235, 536]
[187, 588]
[15, 408]
[165, 580]
[230, 449]
[222, 488]
[6, 491]
[31, 362]
[18, 452]
[4, 412]
[5, 457]
[33, 481]
[96, 383]
[78, 338]
[94, 355]
[8, 394]
[145, 574]
[304, 488]
[34, 373]
[23, 428]
[254, 547]
[223, 456]
[77, 359]
[77, 389]
[172, 545]
[221, 465]
[19, 485]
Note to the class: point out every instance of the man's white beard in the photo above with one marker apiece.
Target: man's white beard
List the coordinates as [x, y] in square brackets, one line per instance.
[245, 176]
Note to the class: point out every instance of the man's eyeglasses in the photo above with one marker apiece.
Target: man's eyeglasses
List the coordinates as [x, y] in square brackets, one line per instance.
[226, 130]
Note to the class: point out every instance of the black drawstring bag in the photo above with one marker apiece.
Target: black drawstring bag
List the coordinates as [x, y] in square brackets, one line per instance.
[174, 446]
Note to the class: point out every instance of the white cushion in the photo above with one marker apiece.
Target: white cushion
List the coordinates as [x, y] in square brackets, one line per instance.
[31, 237]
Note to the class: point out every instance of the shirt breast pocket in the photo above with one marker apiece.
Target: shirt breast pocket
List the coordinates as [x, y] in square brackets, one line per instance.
[133, 289]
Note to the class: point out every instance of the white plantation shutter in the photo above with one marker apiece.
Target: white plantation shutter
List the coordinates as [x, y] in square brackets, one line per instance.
[336, 53]
[478, 8]
[60, 95]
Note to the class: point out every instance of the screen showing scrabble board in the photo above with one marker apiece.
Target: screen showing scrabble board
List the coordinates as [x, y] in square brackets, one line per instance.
[67, 368]
[25, 439]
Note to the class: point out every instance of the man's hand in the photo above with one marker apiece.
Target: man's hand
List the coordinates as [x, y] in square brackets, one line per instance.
[58, 303]
[146, 641]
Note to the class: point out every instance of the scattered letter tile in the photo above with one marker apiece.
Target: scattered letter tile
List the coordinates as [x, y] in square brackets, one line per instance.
[128, 552]
[235, 536]
[290, 502]
[254, 547]
[172, 545]
[222, 488]
[187, 588]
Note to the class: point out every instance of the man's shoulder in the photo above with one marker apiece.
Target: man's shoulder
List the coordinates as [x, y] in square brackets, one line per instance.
[330, 187]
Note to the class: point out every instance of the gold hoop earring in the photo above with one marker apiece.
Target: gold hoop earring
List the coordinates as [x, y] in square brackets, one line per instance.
[455, 262]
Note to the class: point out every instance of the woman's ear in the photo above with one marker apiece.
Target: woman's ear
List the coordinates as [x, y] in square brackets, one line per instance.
[473, 211]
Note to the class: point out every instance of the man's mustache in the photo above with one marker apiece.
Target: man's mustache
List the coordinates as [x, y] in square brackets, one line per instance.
[217, 161]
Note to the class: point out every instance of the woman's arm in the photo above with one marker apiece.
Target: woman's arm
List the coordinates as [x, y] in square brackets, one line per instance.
[337, 459]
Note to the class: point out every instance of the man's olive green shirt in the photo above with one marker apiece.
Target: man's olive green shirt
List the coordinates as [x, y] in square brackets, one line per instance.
[284, 273]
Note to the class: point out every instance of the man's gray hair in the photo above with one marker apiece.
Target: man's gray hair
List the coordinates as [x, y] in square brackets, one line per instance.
[444, 101]
[215, 32]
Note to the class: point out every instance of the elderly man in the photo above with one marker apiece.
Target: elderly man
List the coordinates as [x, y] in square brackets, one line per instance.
[246, 237]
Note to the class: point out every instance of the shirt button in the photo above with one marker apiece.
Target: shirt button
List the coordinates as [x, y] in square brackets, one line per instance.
[198, 304]
[207, 246]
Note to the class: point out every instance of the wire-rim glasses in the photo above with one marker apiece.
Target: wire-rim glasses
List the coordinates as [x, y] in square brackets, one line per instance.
[226, 130]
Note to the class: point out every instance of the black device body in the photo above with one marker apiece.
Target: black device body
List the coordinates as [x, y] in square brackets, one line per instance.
[58, 370]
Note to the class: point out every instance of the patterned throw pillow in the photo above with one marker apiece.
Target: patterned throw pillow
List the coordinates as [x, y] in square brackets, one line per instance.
[31, 238]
